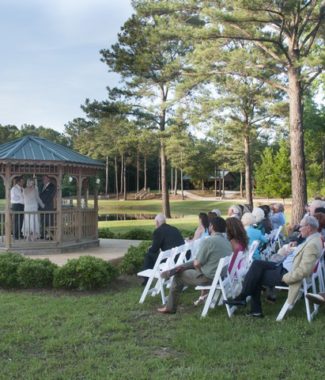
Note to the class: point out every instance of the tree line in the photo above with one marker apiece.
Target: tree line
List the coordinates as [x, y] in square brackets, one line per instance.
[211, 85]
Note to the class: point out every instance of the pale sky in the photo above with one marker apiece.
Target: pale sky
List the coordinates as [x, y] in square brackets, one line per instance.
[50, 61]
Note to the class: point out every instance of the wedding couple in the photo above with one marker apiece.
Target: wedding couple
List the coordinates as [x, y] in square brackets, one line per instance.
[33, 226]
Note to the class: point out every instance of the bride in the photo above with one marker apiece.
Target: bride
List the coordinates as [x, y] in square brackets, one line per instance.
[31, 224]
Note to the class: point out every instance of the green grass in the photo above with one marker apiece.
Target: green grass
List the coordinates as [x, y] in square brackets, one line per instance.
[109, 335]
[185, 213]
[178, 208]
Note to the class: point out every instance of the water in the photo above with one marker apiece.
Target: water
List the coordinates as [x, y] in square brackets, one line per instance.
[106, 217]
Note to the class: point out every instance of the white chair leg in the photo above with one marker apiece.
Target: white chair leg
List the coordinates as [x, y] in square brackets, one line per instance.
[283, 311]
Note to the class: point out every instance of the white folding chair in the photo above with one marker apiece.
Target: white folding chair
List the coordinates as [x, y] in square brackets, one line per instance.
[154, 283]
[166, 260]
[314, 283]
[274, 242]
[217, 290]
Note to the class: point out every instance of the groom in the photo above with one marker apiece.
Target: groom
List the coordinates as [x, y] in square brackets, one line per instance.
[47, 195]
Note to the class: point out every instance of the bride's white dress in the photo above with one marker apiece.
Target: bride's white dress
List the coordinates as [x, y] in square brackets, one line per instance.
[31, 224]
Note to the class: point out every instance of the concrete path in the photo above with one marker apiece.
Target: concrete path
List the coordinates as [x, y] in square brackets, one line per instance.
[111, 250]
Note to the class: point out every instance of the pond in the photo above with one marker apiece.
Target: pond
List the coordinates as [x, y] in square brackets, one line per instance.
[138, 216]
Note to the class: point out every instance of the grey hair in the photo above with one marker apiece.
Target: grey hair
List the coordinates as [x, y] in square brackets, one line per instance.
[160, 219]
[258, 214]
[248, 219]
[216, 211]
[310, 221]
[236, 210]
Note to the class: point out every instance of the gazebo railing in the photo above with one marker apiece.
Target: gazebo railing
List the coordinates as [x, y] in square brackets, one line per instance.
[71, 225]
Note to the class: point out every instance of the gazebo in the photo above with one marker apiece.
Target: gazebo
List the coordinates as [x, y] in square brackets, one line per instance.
[75, 221]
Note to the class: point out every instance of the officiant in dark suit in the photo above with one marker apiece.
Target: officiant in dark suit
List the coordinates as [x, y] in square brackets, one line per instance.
[47, 195]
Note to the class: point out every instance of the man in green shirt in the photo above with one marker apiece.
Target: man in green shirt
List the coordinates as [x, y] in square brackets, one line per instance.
[211, 251]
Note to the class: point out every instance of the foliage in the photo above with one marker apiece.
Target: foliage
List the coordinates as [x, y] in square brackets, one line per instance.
[133, 260]
[36, 273]
[273, 174]
[136, 234]
[105, 233]
[84, 273]
[9, 264]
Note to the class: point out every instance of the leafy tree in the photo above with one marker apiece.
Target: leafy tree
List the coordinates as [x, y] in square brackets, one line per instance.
[264, 175]
[288, 36]
[149, 68]
[282, 171]
[8, 133]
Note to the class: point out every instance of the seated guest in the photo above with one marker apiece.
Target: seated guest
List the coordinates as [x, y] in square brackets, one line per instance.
[203, 228]
[204, 266]
[267, 213]
[237, 236]
[277, 217]
[263, 222]
[315, 204]
[216, 211]
[248, 221]
[164, 237]
[235, 211]
[297, 265]
[321, 220]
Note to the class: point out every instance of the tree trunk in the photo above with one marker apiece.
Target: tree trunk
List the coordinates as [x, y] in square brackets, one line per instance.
[164, 188]
[124, 182]
[138, 171]
[159, 174]
[223, 184]
[121, 173]
[171, 178]
[176, 182]
[297, 156]
[106, 177]
[182, 185]
[116, 177]
[145, 172]
[248, 168]
[215, 180]
[163, 160]
[241, 185]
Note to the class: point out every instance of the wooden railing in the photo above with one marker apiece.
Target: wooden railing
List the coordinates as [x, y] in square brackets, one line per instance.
[75, 225]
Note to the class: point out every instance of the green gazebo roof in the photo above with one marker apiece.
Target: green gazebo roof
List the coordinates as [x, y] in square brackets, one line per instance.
[34, 148]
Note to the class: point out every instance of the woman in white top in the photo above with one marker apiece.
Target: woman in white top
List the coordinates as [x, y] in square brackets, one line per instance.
[31, 224]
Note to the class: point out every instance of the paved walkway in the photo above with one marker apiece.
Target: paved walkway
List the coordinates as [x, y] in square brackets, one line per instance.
[110, 249]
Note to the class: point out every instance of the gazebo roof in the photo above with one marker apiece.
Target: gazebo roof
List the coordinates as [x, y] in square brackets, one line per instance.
[34, 148]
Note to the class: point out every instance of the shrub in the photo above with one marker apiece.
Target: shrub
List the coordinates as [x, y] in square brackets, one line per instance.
[9, 263]
[84, 273]
[36, 273]
[133, 260]
[137, 234]
[106, 233]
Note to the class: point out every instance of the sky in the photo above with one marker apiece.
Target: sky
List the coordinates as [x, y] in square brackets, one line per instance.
[50, 61]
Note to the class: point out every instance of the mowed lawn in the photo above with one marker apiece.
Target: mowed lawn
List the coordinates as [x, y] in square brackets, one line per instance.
[184, 213]
[109, 335]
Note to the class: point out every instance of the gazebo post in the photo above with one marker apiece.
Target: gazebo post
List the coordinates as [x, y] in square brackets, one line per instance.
[7, 209]
[96, 203]
[79, 211]
[59, 205]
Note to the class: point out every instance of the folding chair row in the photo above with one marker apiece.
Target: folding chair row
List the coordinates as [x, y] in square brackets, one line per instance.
[166, 260]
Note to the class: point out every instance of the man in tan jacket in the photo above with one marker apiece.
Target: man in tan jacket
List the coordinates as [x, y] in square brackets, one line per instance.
[295, 267]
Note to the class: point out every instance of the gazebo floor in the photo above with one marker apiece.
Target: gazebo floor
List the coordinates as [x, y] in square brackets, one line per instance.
[41, 247]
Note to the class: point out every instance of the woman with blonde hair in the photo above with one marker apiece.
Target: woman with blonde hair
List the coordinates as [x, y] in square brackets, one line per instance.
[31, 224]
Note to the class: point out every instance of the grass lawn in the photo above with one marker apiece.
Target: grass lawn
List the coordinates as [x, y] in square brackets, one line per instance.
[109, 335]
